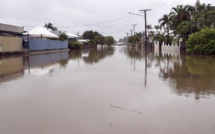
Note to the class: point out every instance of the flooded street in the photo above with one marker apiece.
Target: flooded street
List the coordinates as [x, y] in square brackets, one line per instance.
[107, 90]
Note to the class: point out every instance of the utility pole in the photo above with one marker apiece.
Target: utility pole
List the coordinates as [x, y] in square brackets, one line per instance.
[131, 32]
[134, 27]
[146, 61]
[145, 10]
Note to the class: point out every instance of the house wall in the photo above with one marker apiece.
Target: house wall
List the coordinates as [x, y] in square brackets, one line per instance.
[10, 44]
[36, 44]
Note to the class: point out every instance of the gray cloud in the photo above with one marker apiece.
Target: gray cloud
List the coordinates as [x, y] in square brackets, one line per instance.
[64, 13]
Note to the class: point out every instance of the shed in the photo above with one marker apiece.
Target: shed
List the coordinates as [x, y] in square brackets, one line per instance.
[71, 35]
[10, 38]
[10, 28]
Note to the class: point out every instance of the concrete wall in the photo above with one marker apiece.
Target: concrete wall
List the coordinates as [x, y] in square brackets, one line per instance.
[36, 44]
[10, 44]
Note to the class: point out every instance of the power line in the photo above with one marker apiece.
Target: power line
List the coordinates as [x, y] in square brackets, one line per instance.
[99, 23]
[136, 14]
[118, 23]
[92, 24]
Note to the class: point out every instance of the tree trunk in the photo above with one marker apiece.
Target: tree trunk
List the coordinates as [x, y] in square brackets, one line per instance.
[168, 43]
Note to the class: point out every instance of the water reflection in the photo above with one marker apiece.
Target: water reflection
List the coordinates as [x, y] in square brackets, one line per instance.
[44, 59]
[39, 65]
[191, 75]
[186, 75]
[16, 67]
[96, 55]
[11, 68]
[75, 54]
[139, 54]
[135, 53]
[40, 71]
[92, 55]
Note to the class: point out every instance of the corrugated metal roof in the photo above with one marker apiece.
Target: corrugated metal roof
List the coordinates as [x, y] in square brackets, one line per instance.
[10, 28]
[38, 31]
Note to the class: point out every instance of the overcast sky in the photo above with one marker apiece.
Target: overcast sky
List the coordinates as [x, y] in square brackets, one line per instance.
[108, 17]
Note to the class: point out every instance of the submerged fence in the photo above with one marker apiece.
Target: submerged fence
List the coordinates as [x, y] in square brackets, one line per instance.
[36, 44]
[167, 49]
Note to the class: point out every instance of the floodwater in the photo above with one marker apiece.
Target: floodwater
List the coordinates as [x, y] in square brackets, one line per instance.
[108, 90]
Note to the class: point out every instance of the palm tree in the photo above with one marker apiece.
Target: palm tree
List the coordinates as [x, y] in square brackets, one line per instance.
[165, 22]
[202, 7]
[204, 14]
[180, 14]
[148, 27]
[157, 27]
[50, 26]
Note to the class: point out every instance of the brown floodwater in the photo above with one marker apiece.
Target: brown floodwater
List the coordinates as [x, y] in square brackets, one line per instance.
[107, 90]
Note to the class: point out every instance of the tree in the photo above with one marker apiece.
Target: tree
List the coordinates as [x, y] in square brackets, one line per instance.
[134, 39]
[90, 34]
[186, 20]
[100, 39]
[157, 27]
[109, 40]
[50, 26]
[180, 14]
[160, 38]
[203, 15]
[149, 26]
[122, 40]
[165, 22]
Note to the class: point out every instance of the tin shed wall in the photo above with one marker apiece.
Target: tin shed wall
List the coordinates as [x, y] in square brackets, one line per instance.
[36, 44]
[10, 44]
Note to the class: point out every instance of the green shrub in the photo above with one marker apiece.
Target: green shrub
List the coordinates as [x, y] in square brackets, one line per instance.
[92, 42]
[202, 42]
[75, 45]
[175, 41]
[63, 36]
